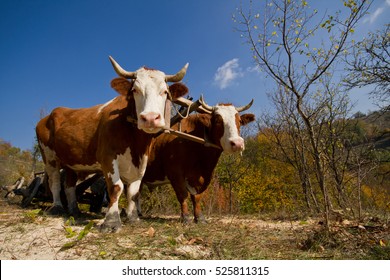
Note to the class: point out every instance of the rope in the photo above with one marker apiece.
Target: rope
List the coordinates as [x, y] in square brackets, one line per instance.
[178, 112]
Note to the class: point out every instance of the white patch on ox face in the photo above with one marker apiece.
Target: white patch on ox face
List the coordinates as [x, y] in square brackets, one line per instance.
[231, 133]
[150, 95]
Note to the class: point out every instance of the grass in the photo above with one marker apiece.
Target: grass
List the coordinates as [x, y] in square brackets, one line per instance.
[164, 237]
[225, 240]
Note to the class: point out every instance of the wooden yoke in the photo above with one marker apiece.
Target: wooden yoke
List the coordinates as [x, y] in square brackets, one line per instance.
[181, 114]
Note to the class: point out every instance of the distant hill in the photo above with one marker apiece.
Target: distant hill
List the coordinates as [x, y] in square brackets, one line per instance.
[378, 128]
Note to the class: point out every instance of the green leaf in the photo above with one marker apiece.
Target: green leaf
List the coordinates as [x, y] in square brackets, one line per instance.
[70, 232]
[85, 231]
[68, 245]
[70, 221]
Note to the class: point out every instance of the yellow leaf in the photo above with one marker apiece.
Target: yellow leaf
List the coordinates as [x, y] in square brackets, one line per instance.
[382, 243]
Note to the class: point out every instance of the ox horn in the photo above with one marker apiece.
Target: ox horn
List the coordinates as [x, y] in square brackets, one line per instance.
[121, 72]
[204, 105]
[178, 76]
[246, 107]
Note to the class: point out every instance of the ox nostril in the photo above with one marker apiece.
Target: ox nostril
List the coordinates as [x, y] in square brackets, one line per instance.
[237, 144]
[150, 119]
[143, 118]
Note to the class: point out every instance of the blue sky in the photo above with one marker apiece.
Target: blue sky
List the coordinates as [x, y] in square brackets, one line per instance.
[55, 53]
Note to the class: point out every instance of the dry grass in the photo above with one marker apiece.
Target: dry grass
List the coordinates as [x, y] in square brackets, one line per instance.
[30, 234]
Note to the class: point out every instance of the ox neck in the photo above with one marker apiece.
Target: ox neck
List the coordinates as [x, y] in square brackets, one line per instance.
[209, 142]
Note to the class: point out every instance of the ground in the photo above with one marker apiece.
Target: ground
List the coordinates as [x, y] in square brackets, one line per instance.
[31, 234]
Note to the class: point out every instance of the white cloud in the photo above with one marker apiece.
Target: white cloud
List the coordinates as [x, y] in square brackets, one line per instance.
[372, 17]
[388, 2]
[227, 73]
[255, 68]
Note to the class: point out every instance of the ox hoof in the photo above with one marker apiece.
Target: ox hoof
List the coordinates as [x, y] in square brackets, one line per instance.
[129, 219]
[112, 223]
[108, 227]
[132, 220]
[75, 212]
[185, 219]
[56, 210]
[200, 220]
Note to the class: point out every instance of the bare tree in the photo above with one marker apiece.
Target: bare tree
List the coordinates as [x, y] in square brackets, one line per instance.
[283, 38]
[369, 64]
[286, 130]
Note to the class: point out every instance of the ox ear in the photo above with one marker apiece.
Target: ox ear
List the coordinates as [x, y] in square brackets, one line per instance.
[246, 118]
[121, 85]
[177, 90]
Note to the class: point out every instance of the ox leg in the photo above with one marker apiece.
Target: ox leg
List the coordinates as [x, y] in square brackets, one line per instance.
[138, 202]
[185, 215]
[53, 173]
[133, 203]
[112, 221]
[198, 216]
[182, 196]
[70, 192]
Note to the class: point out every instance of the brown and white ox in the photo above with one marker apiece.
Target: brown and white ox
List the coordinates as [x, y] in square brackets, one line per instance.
[100, 139]
[188, 166]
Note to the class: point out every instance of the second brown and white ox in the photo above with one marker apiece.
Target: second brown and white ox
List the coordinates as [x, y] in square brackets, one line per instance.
[100, 138]
[188, 166]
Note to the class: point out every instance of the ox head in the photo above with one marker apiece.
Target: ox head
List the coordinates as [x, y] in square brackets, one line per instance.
[149, 89]
[225, 125]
